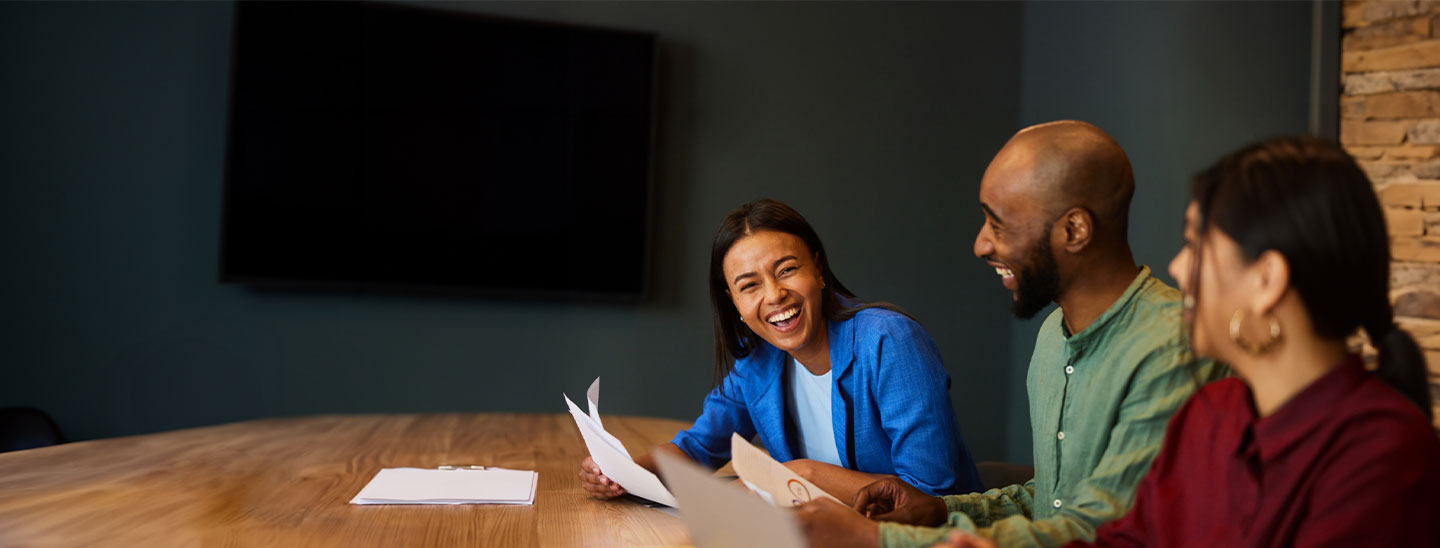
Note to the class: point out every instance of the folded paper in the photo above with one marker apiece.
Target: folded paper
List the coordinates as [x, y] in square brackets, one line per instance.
[780, 485]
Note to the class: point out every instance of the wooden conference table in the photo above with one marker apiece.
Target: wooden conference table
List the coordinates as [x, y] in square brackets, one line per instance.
[288, 482]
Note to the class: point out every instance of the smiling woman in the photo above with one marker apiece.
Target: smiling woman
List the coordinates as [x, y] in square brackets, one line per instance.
[777, 286]
[841, 390]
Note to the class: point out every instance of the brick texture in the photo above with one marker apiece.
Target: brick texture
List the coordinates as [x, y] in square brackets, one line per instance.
[1379, 132]
[1420, 195]
[1390, 122]
[1403, 104]
[1423, 54]
[1395, 80]
[1404, 221]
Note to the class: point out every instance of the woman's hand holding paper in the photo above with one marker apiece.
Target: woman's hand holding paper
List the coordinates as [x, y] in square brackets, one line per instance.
[595, 482]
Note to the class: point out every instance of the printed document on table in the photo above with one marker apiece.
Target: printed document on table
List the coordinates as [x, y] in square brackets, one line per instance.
[777, 483]
[431, 486]
[720, 515]
[610, 455]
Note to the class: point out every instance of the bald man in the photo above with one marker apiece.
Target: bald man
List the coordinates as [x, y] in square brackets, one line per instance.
[1109, 368]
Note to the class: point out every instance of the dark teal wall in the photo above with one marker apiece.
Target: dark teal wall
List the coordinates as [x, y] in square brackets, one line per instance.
[874, 120]
[1178, 84]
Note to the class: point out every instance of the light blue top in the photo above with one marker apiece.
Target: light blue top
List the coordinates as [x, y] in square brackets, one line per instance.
[890, 407]
[809, 408]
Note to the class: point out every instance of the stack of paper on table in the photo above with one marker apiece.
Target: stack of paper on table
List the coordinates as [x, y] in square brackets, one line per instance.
[430, 486]
[610, 455]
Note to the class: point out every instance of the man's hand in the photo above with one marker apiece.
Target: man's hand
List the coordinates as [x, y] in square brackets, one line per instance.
[596, 483]
[891, 499]
[828, 523]
[961, 539]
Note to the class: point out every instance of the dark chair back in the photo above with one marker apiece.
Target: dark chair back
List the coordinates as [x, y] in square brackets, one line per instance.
[27, 428]
[996, 474]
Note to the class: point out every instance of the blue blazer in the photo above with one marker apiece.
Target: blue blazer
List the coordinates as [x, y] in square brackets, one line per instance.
[890, 406]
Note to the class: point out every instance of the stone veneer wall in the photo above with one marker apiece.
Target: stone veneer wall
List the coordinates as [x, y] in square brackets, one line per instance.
[1390, 122]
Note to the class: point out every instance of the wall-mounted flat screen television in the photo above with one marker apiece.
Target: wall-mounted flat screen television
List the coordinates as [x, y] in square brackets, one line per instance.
[382, 146]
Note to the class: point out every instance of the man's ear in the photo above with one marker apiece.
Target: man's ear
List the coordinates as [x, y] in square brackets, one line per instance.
[1079, 228]
[1273, 277]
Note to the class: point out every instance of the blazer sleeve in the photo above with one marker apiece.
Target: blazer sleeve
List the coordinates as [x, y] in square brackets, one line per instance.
[708, 440]
[913, 398]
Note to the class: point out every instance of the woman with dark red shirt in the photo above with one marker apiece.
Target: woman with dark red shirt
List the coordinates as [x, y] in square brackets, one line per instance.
[1286, 255]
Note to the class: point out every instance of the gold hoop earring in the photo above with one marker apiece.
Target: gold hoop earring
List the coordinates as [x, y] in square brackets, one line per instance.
[1238, 319]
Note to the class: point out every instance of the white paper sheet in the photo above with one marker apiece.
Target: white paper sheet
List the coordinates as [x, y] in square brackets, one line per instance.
[781, 486]
[610, 455]
[720, 515]
[592, 397]
[430, 486]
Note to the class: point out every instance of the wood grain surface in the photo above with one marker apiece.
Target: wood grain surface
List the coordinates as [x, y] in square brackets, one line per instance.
[288, 482]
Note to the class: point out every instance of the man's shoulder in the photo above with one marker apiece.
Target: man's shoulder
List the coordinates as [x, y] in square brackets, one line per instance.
[1052, 329]
[1155, 301]
[1152, 322]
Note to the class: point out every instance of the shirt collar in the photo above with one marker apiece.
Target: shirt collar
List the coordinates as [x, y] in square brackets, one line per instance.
[1304, 413]
[1094, 332]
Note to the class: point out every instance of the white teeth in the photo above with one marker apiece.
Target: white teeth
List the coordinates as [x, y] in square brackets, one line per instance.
[785, 315]
[1004, 272]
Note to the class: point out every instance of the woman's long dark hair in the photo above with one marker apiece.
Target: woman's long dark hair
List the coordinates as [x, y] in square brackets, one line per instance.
[735, 340]
[1306, 198]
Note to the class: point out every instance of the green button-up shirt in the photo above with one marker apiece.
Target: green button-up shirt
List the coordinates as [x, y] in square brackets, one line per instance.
[1099, 403]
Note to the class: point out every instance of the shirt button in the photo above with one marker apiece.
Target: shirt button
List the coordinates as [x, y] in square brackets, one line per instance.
[1069, 369]
[1057, 503]
[1060, 436]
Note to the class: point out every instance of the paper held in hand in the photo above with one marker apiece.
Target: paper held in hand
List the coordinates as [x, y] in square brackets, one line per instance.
[783, 487]
[610, 455]
[431, 486]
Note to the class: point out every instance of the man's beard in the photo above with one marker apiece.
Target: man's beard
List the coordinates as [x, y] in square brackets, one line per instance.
[1038, 282]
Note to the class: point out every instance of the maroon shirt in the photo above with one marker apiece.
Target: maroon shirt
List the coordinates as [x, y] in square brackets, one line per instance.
[1346, 462]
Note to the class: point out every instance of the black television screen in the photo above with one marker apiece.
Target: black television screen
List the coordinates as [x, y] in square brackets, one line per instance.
[384, 146]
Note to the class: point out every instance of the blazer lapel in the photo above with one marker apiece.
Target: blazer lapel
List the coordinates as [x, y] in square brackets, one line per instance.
[842, 353]
[768, 410]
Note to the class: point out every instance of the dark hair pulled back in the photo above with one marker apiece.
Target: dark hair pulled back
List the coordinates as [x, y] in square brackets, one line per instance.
[1308, 200]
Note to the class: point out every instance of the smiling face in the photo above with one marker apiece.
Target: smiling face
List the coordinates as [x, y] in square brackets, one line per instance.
[1015, 238]
[776, 285]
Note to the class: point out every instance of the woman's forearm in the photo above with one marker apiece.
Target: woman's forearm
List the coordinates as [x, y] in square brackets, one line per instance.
[647, 461]
[841, 483]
